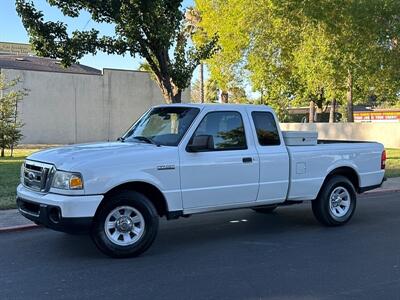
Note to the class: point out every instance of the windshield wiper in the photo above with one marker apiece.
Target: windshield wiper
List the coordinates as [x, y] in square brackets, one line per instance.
[147, 140]
[121, 139]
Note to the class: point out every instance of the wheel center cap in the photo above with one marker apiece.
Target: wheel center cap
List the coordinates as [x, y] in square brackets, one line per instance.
[124, 224]
[336, 201]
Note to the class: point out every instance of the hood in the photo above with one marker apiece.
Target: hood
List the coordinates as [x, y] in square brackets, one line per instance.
[65, 158]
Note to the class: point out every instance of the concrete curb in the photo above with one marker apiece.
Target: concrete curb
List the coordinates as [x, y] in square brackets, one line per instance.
[19, 228]
[383, 191]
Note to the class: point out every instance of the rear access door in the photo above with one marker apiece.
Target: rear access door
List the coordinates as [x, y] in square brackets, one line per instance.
[274, 158]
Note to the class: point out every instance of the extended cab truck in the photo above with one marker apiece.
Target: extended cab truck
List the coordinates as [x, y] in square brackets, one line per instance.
[178, 160]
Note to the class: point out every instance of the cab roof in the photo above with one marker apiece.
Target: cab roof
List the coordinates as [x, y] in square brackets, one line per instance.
[219, 106]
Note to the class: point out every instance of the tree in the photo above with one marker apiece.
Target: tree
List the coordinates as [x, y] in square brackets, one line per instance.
[193, 19]
[154, 30]
[210, 91]
[294, 52]
[10, 126]
[227, 20]
[237, 94]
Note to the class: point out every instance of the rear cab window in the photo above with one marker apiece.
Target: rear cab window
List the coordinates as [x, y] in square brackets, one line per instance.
[266, 128]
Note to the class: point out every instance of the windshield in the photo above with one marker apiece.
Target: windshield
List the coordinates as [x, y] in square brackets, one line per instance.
[162, 125]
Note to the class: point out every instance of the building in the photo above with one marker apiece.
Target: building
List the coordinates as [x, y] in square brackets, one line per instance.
[78, 104]
[377, 115]
[7, 48]
[361, 114]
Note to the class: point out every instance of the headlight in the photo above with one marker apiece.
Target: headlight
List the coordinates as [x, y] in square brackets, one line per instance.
[67, 181]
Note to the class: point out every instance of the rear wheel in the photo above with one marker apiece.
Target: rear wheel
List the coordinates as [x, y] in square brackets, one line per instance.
[336, 202]
[126, 225]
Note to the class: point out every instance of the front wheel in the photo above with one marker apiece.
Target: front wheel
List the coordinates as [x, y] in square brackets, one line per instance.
[336, 202]
[125, 225]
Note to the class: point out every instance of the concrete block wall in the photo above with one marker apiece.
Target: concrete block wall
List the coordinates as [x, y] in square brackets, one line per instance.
[64, 108]
[386, 133]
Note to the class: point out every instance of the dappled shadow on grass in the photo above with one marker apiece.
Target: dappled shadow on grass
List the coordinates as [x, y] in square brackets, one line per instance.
[9, 179]
[392, 167]
[7, 159]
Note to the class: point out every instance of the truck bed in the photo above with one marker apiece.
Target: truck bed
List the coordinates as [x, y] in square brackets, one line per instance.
[342, 141]
[310, 165]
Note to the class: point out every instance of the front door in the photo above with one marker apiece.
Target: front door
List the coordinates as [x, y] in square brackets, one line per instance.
[228, 173]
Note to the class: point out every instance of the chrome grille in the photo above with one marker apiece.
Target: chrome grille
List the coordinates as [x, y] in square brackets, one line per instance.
[37, 176]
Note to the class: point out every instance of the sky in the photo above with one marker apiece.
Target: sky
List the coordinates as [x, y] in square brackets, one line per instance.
[12, 30]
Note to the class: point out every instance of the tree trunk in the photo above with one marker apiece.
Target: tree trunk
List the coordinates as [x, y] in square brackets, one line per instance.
[170, 93]
[201, 75]
[177, 98]
[350, 117]
[2, 152]
[332, 111]
[224, 97]
[311, 112]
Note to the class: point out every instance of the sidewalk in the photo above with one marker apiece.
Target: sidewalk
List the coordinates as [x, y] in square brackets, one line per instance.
[11, 219]
[390, 185]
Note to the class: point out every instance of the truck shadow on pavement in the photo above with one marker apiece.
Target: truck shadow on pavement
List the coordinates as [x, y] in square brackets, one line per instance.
[208, 231]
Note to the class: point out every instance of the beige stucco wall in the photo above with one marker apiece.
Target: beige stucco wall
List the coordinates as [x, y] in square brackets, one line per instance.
[66, 108]
[386, 133]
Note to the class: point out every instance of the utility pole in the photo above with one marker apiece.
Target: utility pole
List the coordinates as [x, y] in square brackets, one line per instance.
[201, 70]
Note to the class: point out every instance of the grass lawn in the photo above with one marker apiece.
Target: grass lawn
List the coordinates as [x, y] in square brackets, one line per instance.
[9, 176]
[10, 169]
[393, 163]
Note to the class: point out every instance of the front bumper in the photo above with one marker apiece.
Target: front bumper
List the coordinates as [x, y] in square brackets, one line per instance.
[58, 212]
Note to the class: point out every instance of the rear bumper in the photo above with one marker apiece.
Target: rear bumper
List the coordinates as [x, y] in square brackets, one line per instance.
[371, 187]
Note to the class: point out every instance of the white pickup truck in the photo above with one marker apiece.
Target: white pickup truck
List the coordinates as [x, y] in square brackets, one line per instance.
[183, 159]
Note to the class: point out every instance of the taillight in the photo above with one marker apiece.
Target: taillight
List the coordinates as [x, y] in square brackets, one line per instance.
[383, 159]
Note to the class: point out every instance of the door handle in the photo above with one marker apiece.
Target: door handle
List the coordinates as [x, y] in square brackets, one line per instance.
[247, 160]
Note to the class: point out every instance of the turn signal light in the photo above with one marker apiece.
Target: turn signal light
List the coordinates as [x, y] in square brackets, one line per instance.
[75, 183]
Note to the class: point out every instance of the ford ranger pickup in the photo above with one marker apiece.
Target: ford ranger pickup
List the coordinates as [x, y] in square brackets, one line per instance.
[183, 159]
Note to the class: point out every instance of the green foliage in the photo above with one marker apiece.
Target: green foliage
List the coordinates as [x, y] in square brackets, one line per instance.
[10, 126]
[227, 19]
[155, 30]
[296, 51]
[210, 93]
[237, 94]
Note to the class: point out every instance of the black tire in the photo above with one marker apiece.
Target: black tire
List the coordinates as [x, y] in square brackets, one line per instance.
[130, 200]
[322, 205]
[265, 209]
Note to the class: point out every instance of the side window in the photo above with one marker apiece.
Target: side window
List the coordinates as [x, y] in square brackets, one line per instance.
[226, 128]
[267, 132]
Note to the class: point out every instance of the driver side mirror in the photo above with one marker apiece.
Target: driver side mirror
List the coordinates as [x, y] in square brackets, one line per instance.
[201, 143]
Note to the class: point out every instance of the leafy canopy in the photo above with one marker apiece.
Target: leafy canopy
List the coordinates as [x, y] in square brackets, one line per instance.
[296, 51]
[154, 30]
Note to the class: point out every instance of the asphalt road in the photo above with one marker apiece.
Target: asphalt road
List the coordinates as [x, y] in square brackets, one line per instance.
[228, 255]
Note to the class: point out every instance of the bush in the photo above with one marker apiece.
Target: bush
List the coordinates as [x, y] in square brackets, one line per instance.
[10, 126]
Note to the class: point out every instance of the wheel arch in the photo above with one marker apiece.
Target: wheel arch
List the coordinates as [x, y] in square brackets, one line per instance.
[152, 192]
[346, 171]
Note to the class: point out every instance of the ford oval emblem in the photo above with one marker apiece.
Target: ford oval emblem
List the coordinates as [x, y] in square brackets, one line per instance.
[31, 176]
